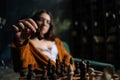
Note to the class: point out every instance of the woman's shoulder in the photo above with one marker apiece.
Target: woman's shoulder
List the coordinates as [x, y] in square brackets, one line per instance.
[58, 39]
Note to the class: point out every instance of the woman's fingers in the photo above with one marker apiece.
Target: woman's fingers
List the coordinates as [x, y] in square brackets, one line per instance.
[15, 28]
[25, 27]
[32, 22]
[28, 24]
[21, 26]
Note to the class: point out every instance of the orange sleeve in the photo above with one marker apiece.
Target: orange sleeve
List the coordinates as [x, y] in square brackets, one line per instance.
[16, 59]
[21, 57]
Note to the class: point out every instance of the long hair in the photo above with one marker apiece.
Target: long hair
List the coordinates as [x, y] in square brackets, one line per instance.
[50, 35]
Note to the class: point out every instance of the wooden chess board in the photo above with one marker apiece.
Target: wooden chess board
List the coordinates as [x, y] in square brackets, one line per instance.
[82, 72]
[99, 75]
[38, 77]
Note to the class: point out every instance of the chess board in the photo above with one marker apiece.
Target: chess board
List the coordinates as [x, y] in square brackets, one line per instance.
[83, 71]
[99, 75]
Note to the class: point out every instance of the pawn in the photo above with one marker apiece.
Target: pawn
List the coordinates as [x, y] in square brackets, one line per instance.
[71, 61]
[87, 66]
[57, 67]
[63, 68]
[31, 75]
[108, 73]
[70, 72]
[77, 71]
[63, 72]
[49, 68]
[91, 74]
[54, 75]
[44, 73]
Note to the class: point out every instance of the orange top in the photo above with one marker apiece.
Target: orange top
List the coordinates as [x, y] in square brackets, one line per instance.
[29, 54]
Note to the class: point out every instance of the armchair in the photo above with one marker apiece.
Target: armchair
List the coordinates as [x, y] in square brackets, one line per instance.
[95, 64]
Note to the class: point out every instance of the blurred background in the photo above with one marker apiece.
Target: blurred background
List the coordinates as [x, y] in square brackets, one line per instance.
[90, 27]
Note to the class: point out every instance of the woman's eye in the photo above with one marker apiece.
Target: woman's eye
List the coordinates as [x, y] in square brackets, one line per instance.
[41, 19]
[48, 22]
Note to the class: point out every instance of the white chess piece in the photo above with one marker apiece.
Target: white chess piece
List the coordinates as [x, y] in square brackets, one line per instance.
[70, 72]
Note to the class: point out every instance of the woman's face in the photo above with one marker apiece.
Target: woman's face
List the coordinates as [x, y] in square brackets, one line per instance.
[44, 23]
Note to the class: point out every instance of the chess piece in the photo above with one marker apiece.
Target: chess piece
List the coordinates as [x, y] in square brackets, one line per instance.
[54, 75]
[70, 72]
[108, 73]
[63, 72]
[44, 73]
[91, 74]
[49, 68]
[57, 67]
[88, 65]
[71, 61]
[31, 75]
[63, 66]
[83, 70]
[77, 71]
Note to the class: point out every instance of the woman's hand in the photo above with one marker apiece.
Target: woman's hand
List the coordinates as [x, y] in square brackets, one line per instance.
[24, 29]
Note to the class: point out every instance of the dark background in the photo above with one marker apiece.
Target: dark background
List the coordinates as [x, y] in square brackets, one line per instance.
[90, 27]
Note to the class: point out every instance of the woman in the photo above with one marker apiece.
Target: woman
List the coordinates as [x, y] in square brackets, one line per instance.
[35, 43]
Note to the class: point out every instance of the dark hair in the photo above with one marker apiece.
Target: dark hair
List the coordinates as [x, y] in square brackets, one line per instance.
[50, 35]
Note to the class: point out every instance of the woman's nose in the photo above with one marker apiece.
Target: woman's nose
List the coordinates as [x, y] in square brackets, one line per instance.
[44, 22]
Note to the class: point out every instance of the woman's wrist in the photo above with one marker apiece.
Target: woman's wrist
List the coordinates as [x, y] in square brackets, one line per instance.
[20, 42]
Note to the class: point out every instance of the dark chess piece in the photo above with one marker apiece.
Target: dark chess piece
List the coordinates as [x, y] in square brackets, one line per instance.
[71, 61]
[87, 65]
[57, 67]
[49, 68]
[63, 62]
[77, 71]
[54, 75]
[63, 66]
[44, 73]
[83, 70]
[63, 71]
[31, 75]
